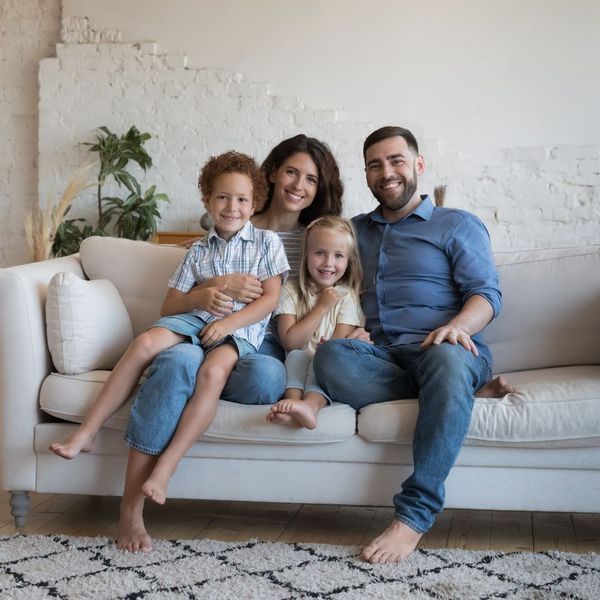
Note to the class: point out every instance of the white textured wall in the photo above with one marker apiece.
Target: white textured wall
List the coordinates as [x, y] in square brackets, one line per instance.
[539, 70]
[29, 30]
[546, 196]
[481, 75]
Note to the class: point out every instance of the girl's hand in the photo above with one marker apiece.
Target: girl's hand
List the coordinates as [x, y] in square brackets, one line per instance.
[329, 297]
[243, 288]
[214, 332]
[360, 334]
[322, 340]
[212, 300]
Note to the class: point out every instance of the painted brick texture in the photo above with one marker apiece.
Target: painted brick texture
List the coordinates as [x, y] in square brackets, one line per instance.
[535, 197]
[29, 30]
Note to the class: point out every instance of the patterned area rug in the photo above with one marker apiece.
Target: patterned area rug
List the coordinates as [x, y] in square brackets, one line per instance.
[35, 567]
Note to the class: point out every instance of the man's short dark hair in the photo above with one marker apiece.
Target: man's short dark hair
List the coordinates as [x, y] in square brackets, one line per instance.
[391, 131]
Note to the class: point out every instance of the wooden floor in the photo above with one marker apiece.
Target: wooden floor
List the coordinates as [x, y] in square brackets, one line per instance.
[327, 524]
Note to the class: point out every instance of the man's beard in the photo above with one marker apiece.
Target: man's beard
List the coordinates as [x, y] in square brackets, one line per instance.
[399, 202]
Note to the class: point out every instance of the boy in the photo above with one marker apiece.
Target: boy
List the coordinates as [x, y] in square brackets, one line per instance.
[233, 188]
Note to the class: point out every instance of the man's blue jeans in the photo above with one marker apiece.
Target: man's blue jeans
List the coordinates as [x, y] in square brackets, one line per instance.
[444, 378]
[257, 379]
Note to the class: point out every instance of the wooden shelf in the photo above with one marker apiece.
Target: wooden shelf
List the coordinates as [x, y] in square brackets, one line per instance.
[175, 237]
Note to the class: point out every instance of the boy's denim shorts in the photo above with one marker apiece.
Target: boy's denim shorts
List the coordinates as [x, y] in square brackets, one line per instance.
[191, 326]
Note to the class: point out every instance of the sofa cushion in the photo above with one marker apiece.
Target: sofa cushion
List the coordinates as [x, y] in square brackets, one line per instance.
[87, 324]
[71, 397]
[551, 408]
[139, 270]
[551, 309]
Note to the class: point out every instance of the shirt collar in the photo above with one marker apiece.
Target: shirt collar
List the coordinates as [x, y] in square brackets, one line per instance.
[246, 233]
[424, 211]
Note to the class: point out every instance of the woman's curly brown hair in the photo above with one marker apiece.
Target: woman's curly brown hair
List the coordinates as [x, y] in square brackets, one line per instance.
[234, 162]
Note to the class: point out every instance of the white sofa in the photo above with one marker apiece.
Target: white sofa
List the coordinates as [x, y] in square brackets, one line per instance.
[535, 449]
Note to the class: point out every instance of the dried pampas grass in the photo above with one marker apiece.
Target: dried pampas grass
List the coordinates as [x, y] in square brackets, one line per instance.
[439, 195]
[41, 224]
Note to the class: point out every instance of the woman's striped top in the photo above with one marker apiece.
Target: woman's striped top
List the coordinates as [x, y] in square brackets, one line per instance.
[292, 242]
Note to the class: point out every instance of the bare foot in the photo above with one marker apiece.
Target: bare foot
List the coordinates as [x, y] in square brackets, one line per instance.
[496, 388]
[155, 487]
[80, 441]
[279, 417]
[393, 545]
[133, 536]
[301, 411]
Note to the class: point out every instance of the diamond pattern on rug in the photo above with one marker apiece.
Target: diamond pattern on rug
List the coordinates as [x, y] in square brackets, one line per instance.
[44, 567]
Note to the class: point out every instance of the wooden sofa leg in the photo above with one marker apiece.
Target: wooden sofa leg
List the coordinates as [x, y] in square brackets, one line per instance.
[19, 507]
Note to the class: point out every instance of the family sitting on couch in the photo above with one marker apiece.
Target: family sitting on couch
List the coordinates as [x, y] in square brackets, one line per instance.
[401, 294]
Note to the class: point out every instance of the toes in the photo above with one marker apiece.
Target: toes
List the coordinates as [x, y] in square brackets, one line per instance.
[368, 552]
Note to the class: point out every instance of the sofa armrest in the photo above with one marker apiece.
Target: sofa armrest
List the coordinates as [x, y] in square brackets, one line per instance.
[24, 363]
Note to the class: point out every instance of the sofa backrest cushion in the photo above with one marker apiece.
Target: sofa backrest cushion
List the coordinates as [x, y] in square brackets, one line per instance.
[551, 309]
[139, 270]
[551, 298]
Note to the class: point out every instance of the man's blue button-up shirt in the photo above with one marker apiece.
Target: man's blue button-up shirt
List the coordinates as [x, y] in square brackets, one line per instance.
[420, 271]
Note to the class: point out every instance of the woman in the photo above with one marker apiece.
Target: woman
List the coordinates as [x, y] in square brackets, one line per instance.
[304, 184]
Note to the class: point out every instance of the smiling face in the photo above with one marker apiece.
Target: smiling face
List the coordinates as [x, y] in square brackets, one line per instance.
[326, 256]
[295, 183]
[230, 203]
[393, 170]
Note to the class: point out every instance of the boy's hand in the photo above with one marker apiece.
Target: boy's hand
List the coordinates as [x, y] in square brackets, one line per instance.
[213, 300]
[214, 332]
[329, 297]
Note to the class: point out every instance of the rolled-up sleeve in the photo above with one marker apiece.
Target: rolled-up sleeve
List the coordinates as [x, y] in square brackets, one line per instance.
[472, 259]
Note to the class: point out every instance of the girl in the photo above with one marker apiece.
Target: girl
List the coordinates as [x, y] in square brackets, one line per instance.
[322, 303]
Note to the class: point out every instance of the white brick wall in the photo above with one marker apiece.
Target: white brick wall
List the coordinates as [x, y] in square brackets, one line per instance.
[535, 197]
[29, 30]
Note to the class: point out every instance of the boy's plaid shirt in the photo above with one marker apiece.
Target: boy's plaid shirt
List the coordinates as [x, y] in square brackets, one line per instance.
[251, 251]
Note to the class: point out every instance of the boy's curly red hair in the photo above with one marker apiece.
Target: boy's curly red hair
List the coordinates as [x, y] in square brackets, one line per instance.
[234, 162]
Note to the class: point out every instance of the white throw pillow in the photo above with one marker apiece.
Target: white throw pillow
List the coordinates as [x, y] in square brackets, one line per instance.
[87, 324]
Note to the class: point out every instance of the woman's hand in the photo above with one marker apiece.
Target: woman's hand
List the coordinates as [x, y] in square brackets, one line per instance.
[241, 287]
[212, 300]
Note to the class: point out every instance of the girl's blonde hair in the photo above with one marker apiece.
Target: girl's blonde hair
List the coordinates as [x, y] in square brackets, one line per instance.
[352, 277]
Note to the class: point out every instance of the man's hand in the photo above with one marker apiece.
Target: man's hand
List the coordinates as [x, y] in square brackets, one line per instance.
[213, 300]
[214, 332]
[453, 335]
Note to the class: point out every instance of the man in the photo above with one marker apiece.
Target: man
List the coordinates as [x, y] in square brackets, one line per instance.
[430, 287]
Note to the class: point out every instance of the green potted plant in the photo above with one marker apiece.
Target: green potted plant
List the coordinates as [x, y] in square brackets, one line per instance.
[134, 216]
